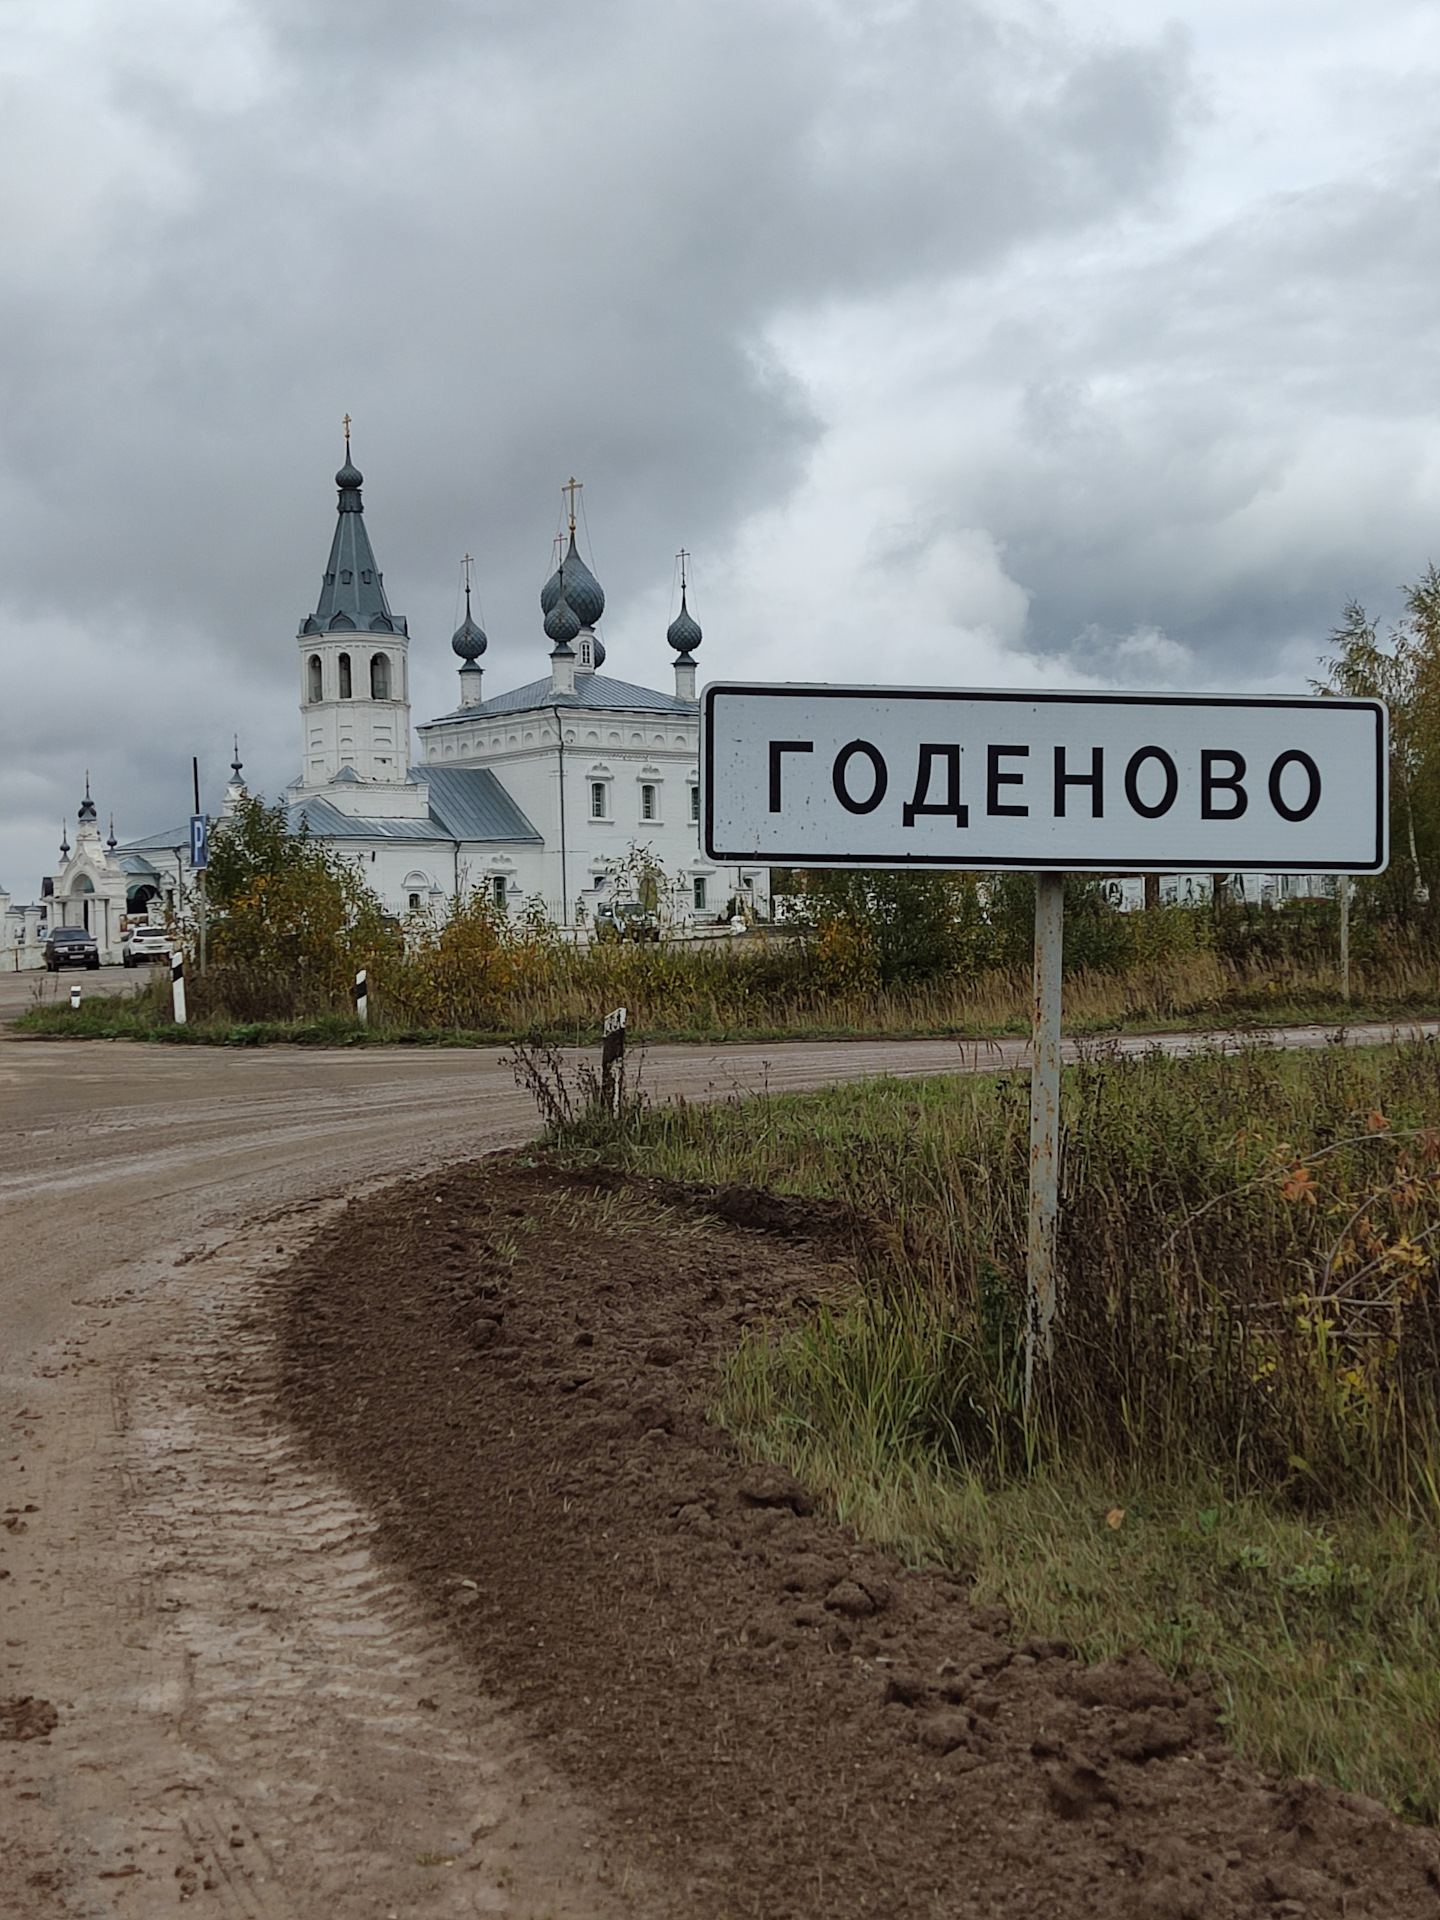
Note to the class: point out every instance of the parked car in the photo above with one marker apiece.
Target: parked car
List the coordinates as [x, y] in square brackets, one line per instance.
[71, 947]
[139, 946]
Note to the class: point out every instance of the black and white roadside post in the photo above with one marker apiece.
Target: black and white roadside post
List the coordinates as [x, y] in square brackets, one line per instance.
[1049, 784]
[74, 996]
[177, 987]
[360, 993]
[612, 1061]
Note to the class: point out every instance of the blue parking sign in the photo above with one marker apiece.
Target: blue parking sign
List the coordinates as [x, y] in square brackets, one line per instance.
[199, 841]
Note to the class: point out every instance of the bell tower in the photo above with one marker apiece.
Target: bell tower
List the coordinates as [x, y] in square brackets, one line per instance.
[355, 677]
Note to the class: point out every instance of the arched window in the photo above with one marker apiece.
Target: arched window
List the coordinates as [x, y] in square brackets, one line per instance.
[647, 803]
[379, 676]
[344, 676]
[317, 679]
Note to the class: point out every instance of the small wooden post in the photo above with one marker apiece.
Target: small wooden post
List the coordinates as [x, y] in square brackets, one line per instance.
[1345, 938]
[1040, 1262]
[360, 993]
[177, 987]
[1152, 892]
[612, 1062]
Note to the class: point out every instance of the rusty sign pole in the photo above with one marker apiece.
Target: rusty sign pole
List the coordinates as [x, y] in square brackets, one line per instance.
[1040, 1265]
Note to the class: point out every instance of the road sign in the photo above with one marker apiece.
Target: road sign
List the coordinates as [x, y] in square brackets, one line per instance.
[1049, 782]
[199, 843]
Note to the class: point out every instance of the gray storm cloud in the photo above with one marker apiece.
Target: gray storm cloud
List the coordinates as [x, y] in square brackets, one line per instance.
[619, 240]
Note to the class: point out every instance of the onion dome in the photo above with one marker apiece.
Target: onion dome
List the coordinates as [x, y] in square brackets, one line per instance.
[469, 640]
[87, 805]
[684, 633]
[599, 653]
[573, 580]
[349, 478]
[561, 625]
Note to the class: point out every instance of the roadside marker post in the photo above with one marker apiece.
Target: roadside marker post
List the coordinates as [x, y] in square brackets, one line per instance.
[612, 1061]
[177, 987]
[74, 996]
[1050, 783]
[360, 994]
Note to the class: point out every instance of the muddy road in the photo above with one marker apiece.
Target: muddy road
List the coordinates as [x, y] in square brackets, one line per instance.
[254, 1716]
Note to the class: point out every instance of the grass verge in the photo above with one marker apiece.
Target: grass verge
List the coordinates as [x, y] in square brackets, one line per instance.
[1236, 1467]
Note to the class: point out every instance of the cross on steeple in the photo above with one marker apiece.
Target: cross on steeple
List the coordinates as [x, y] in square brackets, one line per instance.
[571, 487]
[684, 558]
[347, 433]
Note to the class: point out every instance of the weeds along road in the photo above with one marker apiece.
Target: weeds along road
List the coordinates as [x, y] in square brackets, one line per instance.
[254, 1717]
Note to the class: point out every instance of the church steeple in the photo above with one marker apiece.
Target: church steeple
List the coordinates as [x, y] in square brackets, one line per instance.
[352, 593]
[354, 670]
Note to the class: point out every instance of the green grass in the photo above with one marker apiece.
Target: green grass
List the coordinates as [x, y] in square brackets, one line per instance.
[1246, 1374]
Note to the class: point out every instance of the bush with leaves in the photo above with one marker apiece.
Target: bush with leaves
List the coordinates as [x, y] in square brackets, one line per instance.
[1403, 670]
[292, 919]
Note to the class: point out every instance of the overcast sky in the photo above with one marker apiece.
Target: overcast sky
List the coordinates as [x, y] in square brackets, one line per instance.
[1001, 344]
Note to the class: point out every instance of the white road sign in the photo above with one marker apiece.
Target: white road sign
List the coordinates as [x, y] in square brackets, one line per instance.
[1100, 782]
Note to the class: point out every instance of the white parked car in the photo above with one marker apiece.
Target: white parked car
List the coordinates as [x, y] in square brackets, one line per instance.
[142, 946]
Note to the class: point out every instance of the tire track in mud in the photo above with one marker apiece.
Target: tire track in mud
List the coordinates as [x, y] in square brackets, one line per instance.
[290, 1734]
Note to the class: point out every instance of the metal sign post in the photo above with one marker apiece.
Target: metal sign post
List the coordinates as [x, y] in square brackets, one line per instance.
[1049, 783]
[612, 1061]
[1040, 1264]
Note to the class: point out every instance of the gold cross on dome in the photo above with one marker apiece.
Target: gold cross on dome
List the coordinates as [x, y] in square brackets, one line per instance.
[467, 563]
[572, 487]
[347, 433]
[683, 557]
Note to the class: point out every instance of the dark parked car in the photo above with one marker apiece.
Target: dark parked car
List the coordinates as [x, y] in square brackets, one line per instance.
[71, 947]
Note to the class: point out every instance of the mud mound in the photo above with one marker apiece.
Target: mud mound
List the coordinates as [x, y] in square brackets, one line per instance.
[27, 1718]
[511, 1365]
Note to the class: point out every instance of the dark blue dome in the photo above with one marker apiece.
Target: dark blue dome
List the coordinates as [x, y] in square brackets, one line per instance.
[468, 640]
[684, 633]
[550, 592]
[561, 625]
[349, 477]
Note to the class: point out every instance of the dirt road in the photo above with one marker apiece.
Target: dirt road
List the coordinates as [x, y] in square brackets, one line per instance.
[244, 1697]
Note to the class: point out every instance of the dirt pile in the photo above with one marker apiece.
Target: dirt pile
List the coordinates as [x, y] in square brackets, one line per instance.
[511, 1362]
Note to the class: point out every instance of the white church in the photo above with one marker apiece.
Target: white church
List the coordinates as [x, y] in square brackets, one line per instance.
[538, 794]
[542, 795]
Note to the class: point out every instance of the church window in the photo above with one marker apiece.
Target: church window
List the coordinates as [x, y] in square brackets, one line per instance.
[346, 576]
[366, 575]
[497, 888]
[647, 803]
[317, 679]
[344, 676]
[597, 799]
[699, 896]
[414, 903]
[694, 803]
[380, 676]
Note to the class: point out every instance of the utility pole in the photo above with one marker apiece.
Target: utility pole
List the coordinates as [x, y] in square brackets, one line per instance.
[200, 882]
